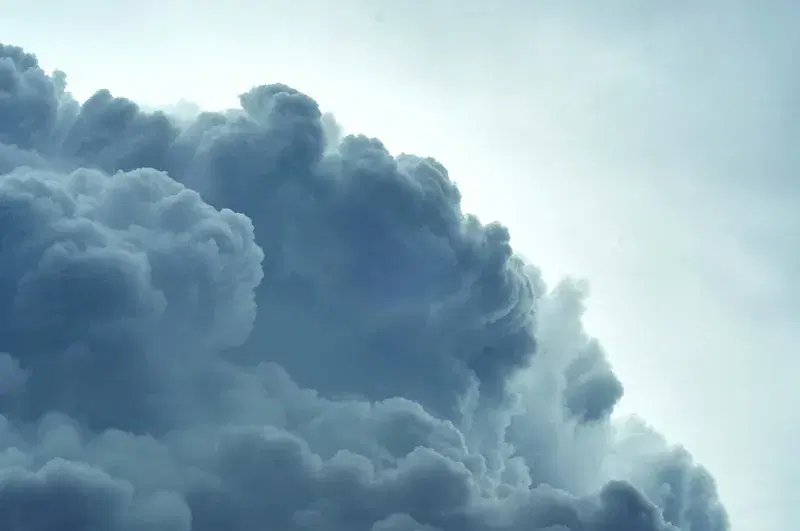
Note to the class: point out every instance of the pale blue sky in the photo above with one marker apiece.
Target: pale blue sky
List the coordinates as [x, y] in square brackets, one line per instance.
[646, 146]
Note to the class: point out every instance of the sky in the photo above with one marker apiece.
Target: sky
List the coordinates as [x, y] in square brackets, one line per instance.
[644, 147]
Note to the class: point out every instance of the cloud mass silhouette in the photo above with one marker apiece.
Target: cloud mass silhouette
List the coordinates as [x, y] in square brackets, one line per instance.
[247, 320]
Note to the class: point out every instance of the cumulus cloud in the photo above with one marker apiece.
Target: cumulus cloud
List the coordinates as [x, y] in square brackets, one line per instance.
[247, 320]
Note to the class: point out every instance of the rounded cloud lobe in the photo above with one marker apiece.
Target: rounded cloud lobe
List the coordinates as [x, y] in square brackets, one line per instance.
[246, 321]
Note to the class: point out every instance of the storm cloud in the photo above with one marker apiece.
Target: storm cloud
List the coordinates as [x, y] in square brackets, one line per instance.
[246, 321]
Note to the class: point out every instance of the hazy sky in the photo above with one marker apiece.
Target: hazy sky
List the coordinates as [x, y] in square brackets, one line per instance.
[645, 146]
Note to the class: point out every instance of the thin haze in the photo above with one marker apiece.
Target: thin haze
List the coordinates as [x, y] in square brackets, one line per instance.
[645, 146]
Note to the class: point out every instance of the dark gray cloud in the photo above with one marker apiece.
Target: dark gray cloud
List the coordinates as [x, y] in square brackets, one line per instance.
[246, 321]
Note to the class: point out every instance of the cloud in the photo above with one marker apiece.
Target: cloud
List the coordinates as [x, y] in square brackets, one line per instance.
[246, 320]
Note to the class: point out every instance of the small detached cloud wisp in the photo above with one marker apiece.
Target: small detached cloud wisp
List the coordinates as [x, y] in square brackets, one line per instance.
[247, 320]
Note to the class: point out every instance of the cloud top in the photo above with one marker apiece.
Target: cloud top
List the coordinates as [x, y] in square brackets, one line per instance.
[246, 320]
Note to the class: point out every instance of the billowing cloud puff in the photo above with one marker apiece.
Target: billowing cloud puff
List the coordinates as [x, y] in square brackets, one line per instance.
[246, 321]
